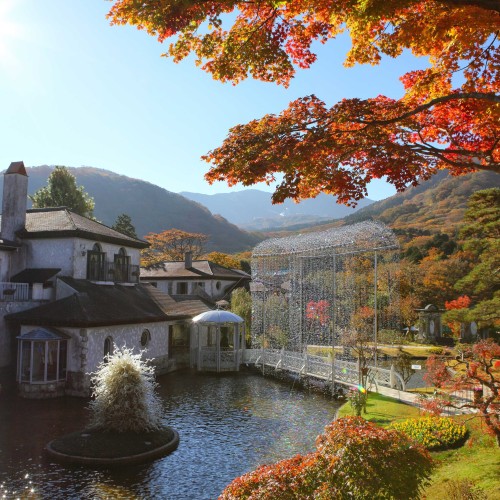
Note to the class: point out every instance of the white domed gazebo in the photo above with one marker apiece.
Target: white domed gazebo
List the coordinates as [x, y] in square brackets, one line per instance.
[218, 342]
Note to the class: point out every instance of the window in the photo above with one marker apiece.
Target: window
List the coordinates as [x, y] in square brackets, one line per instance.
[95, 263]
[182, 288]
[121, 266]
[218, 285]
[108, 347]
[42, 356]
[201, 284]
[145, 338]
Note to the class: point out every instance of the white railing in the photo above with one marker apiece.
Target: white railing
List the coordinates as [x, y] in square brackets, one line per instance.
[346, 372]
[14, 291]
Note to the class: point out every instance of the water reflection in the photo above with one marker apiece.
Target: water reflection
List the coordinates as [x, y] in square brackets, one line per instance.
[227, 424]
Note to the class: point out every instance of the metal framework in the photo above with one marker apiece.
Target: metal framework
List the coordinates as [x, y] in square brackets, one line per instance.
[314, 290]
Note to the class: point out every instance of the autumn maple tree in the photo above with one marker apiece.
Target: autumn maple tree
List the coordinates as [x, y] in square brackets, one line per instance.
[448, 117]
[171, 245]
[477, 370]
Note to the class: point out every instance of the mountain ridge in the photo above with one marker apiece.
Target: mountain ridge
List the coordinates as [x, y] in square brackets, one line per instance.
[152, 208]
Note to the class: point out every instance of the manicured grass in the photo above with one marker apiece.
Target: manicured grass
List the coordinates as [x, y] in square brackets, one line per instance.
[383, 410]
[415, 351]
[478, 460]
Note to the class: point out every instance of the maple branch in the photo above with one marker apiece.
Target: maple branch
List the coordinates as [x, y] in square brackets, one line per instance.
[487, 96]
[485, 51]
[493, 5]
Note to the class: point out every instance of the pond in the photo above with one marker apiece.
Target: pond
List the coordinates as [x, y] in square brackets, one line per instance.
[228, 425]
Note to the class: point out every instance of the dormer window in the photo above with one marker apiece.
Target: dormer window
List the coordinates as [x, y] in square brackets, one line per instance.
[121, 266]
[96, 259]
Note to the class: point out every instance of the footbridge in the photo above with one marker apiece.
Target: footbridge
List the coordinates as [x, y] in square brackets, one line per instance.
[327, 369]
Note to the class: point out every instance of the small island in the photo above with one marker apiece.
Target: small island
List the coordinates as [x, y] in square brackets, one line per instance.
[126, 425]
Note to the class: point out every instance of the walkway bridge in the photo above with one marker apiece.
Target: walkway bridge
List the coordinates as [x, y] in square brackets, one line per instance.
[323, 368]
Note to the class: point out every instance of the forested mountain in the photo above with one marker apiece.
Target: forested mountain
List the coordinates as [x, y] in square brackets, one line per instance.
[252, 209]
[152, 208]
[436, 205]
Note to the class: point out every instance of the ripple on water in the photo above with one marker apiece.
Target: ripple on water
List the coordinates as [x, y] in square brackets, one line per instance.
[228, 425]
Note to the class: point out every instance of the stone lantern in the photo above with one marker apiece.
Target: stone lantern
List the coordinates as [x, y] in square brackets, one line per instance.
[429, 323]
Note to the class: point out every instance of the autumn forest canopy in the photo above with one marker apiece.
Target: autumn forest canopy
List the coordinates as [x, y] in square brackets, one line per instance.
[448, 117]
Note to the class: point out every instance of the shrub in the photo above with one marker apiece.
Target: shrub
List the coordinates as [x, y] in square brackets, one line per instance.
[354, 459]
[391, 337]
[357, 399]
[463, 489]
[124, 391]
[435, 350]
[435, 433]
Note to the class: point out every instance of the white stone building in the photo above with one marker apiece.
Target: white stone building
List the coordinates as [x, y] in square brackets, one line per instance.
[70, 291]
[195, 277]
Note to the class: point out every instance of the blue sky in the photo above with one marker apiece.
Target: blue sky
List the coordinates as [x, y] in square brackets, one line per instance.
[75, 91]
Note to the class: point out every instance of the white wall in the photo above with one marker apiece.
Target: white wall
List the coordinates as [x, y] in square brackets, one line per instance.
[8, 332]
[70, 254]
[210, 286]
[50, 252]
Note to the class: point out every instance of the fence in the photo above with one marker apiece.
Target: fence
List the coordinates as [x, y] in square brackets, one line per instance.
[304, 364]
[14, 291]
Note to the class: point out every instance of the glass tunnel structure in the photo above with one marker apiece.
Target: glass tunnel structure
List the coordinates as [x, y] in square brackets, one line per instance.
[320, 288]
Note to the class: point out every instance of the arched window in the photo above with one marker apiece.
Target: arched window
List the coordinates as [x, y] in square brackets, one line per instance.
[121, 266]
[145, 338]
[108, 347]
[95, 263]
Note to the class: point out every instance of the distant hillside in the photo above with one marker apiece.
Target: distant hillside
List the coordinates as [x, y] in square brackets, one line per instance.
[252, 209]
[435, 205]
[152, 209]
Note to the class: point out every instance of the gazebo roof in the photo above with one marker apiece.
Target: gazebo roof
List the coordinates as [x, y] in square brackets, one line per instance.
[217, 317]
[44, 334]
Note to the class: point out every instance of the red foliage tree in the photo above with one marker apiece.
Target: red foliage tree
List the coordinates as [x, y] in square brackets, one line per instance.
[354, 459]
[318, 311]
[462, 302]
[448, 117]
[479, 371]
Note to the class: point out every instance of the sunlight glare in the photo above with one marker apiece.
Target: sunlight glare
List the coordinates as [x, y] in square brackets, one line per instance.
[10, 31]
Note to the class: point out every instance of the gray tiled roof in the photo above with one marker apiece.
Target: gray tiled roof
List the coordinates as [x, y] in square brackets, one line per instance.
[32, 275]
[62, 222]
[199, 269]
[101, 305]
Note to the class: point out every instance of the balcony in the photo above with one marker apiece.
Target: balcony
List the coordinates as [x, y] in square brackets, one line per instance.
[14, 291]
[117, 272]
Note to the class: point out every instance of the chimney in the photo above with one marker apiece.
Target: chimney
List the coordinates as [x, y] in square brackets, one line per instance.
[15, 199]
[188, 260]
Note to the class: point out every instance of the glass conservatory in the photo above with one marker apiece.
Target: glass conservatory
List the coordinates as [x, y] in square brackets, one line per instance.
[41, 365]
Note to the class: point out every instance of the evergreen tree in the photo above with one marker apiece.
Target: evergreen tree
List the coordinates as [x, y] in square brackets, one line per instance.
[123, 224]
[61, 191]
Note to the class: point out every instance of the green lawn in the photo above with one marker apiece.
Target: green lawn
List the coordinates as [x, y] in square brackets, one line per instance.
[478, 460]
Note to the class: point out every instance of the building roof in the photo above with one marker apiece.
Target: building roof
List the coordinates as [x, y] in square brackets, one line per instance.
[61, 222]
[17, 167]
[35, 275]
[105, 305]
[8, 244]
[198, 269]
